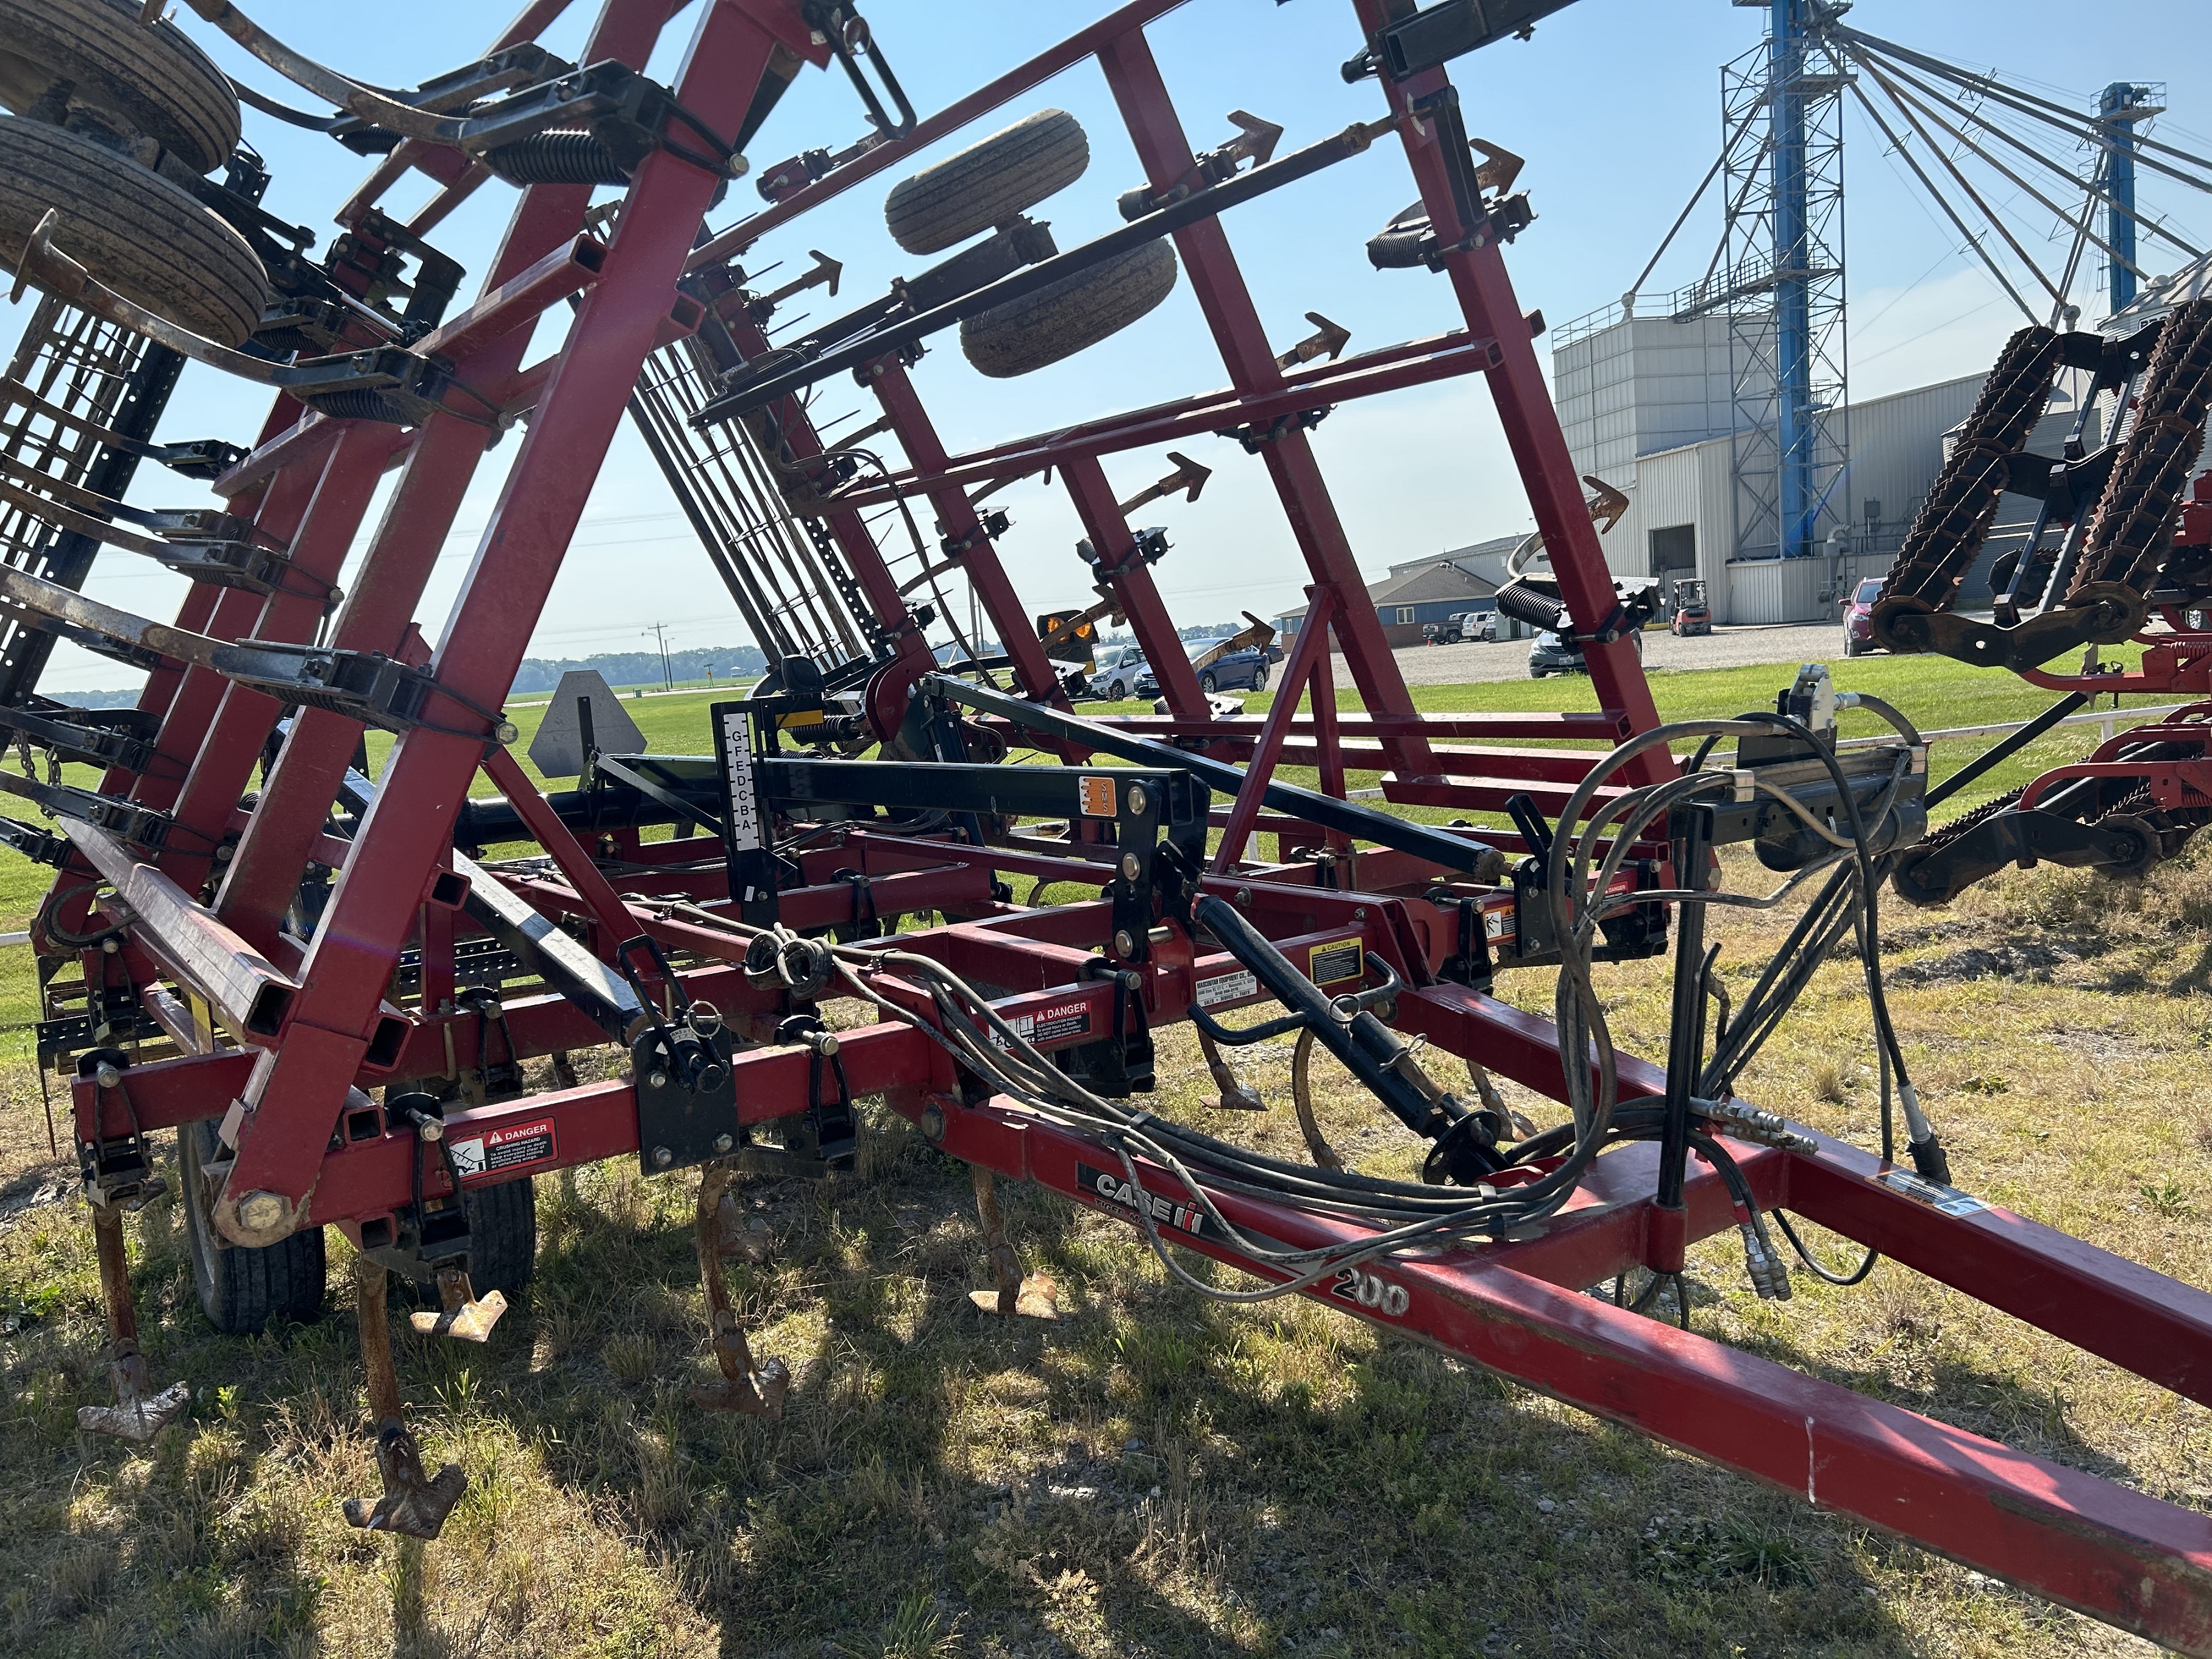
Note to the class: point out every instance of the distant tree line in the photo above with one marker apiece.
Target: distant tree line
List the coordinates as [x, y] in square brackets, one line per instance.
[540, 674]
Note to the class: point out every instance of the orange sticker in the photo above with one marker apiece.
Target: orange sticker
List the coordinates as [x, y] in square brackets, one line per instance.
[1096, 794]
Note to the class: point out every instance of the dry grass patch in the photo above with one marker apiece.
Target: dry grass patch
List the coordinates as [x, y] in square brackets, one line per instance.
[1151, 1474]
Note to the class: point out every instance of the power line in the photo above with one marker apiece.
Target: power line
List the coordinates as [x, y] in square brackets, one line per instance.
[660, 632]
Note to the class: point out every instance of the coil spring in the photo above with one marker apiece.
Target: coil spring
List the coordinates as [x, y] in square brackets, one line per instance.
[363, 406]
[556, 158]
[1525, 604]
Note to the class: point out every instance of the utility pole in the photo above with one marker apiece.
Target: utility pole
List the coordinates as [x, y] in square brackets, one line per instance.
[660, 632]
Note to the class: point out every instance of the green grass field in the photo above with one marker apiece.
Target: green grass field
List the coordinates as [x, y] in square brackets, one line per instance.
[1934, 692]
[1151, 1474]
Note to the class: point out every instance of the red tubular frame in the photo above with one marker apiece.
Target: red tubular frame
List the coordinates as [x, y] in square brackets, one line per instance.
[2117, 1555]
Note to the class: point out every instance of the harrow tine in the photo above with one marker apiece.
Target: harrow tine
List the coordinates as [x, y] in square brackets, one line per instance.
[1031, 1296]
[138, 1414]
[1487, 1090]
[756, 1390]
[462, 1314]
[1236, 1095]
[413, 1505]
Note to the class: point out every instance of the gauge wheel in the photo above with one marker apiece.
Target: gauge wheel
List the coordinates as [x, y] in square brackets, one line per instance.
[153, 82]
[988, 183]
[133, 230]
[243, 1290]
[1070, 315]
[2151, 846]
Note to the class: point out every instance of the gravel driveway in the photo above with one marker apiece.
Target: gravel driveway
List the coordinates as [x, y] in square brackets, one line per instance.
[1724, 648]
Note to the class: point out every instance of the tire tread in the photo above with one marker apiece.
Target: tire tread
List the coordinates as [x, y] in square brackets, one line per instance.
[1071, 314]
[988, 183]
[153, 79]
[132, 229]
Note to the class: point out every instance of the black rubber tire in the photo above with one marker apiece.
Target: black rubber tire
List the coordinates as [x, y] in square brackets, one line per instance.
[988, 183]
[242, 1291]
[503, 1236]
[134, 231]
[1071, 314]
[151, 80]
[1260, 677]
[1207, 683]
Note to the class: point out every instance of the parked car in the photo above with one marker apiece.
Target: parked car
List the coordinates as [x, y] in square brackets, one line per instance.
[1858, 618]
[1550, 654]
[1480, 625]
[1245, 670]
[1120, 674]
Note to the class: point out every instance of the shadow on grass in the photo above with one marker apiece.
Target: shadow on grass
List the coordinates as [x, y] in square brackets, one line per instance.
[1151, 1473]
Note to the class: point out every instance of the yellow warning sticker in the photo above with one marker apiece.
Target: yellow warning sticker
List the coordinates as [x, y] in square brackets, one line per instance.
[1096, 796]
[1338, 959]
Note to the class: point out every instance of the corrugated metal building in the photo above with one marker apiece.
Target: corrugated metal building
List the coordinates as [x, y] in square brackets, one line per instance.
[1644, 402]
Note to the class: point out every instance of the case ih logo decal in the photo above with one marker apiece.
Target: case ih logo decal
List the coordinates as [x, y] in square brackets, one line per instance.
[1113, 1186]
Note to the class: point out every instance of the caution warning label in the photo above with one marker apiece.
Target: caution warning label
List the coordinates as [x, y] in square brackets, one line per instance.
[1338, 959]
[502, 1151]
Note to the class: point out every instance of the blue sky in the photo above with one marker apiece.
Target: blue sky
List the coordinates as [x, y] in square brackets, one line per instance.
[1614, 104]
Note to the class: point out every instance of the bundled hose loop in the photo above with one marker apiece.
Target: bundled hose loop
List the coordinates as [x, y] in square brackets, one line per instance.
[1409, 1218]
[779, 959]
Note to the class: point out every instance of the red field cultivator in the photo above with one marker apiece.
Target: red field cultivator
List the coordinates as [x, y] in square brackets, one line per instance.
[329, 986]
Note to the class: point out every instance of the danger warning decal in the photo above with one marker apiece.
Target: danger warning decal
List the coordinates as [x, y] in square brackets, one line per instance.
[505, 1150]
[1054, 1024]
[1338, 959]
[1113, 1186]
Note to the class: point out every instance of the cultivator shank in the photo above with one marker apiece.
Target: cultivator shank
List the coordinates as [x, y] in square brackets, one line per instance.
[359, 1010]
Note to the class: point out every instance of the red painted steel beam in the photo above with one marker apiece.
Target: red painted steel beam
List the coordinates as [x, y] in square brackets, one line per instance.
[1525, 411]
[741, 236]
[290, 1107]
[311, 433]
[262, 876]
[2143, 1321]
[244, 718]
[956, 517]
[518, 301]
[599, 1120]
[599, 900]
[1308, 652]
[1389, 368]
[1142, 96]
[1130, 581]
[2108, 1551]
